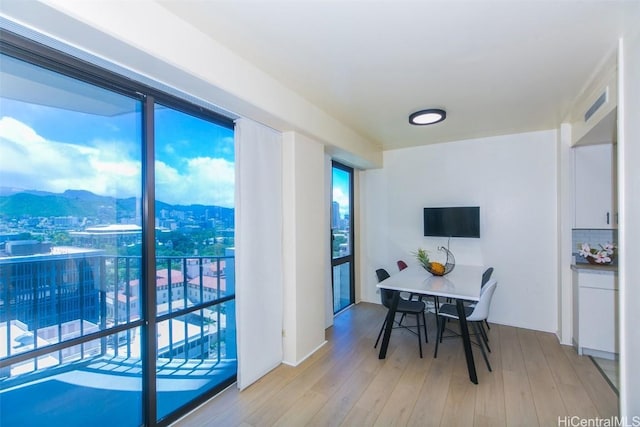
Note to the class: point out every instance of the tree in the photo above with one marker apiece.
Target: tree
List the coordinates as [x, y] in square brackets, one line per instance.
[61, 238]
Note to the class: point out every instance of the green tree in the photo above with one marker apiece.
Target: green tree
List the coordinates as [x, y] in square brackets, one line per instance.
[61, 238]
[182, 244]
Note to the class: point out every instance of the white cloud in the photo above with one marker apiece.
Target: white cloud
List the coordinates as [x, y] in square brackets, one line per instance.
[206, 181]
[342, 199]
[29, 161]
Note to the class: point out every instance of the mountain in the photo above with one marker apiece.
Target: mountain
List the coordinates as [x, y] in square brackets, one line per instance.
[82, 203]
[84, 195]
[26, 204]
[8, 191]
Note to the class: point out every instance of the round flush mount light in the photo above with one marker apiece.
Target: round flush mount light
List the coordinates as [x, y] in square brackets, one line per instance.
[427, 117]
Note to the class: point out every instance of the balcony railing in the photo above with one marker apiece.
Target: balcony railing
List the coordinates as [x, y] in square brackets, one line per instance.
[57, 310]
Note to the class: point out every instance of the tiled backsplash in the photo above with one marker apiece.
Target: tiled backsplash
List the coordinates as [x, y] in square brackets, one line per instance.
[594, 237]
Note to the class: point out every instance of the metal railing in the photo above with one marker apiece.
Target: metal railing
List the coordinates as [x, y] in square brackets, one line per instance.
[197, 288]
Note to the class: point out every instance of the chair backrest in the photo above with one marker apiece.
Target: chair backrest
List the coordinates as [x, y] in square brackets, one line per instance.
[481, 310]
[382, 274]
[486, 276]
[402, 265]
[385, 295]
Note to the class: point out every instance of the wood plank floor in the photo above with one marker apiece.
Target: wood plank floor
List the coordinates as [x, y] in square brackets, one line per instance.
[534, 381]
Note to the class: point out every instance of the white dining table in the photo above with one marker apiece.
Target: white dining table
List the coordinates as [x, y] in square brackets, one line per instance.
[462, 284]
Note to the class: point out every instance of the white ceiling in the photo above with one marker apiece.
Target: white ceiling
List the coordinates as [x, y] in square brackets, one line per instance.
[497, 67]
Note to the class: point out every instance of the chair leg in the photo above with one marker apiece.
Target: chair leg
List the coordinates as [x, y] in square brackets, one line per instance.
[443, 322]
[401, 319]
[424, 322]
[418, 330]
[436, 305]
[380, 333]
[482, 344]
[486, 322]
[484, 332]
[484, 336]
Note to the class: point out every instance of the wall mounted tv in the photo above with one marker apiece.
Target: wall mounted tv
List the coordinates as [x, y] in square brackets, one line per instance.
[452, 221]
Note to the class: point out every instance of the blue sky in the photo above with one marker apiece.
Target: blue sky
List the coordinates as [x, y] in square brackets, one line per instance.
[180, 136]
[54, 149]
[340, 182]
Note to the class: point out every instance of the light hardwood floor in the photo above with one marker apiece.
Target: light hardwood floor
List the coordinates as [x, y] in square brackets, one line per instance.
[534, 381]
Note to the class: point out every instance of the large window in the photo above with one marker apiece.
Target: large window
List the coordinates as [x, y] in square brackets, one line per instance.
[342, 236]
[116, 246]
[194, 164]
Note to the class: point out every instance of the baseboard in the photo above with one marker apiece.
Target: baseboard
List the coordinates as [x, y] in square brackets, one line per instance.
[294, 364]
[599, 353]
[243, 384]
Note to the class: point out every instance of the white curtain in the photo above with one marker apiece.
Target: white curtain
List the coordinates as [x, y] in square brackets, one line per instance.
[259, 275]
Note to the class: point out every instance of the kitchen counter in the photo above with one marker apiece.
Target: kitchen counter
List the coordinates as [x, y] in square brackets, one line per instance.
[594, 267]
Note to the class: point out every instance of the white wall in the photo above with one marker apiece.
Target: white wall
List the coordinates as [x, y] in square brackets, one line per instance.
[305, 250]
[512, 178]
[629, 224]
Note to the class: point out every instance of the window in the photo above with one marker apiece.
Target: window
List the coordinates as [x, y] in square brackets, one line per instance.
[95, 271]
[342, 257]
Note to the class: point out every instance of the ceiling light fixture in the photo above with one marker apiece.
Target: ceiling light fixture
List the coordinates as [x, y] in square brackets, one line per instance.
[427, 117]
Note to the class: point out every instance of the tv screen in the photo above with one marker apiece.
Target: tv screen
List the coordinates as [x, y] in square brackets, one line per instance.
[452, 221]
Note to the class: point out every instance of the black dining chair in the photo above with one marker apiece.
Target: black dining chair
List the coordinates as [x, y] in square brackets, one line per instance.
[405, 307]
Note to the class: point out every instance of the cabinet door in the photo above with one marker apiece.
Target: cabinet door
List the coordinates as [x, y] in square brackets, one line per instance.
[594, 201]
[598, 318]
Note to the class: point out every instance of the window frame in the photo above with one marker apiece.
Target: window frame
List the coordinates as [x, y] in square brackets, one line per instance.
[39, 54]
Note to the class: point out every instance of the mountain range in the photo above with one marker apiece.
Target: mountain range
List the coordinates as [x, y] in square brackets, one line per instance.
[81, 203]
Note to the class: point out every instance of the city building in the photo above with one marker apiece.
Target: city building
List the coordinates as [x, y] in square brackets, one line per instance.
[335, 215]
[42, 286]
[105, 235]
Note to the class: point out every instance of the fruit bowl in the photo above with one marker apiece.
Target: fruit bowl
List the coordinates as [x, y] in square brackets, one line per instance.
[439, 269]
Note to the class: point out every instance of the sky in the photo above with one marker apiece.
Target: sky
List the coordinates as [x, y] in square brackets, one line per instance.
[56, 149]
[340, 183]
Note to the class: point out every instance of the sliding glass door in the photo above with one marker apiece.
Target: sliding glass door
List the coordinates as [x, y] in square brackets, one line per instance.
[71, 178]
[342, 236]
[194, 192]
[116, 246]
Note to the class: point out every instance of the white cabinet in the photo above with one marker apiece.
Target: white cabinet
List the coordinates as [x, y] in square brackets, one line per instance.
[596, 302]
[594, 186]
